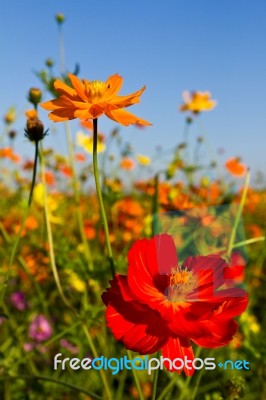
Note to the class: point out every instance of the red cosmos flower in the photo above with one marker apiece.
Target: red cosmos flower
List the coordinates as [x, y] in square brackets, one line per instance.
[160, 305]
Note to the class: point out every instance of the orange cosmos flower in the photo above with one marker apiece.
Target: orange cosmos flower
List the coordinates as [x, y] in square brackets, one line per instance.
[197, 102]
[7, 152]
[235, 167]
[91, 99]
[127, 163]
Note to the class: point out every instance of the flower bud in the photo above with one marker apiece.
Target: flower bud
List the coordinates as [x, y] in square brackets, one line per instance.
[60, 18]
[35, 96]
[10, 116]
[49, 62]
[12, 134]
[35, 129]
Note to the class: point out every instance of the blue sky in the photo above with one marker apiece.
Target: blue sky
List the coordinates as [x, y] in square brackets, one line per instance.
[169, 46]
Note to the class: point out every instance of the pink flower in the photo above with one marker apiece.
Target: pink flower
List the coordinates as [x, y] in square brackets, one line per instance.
[18, 300]
[40, 329]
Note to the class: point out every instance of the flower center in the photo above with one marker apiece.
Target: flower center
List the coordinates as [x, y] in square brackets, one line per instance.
[182, 282]
[95, 89]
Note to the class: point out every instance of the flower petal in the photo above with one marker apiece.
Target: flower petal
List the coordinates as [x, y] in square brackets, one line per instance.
[126, 101]
[78, 86]
[221, 332]
[179, 348]
[135, 324]
[113, 85]
[62, 88]
[149, 261]
[124, 117]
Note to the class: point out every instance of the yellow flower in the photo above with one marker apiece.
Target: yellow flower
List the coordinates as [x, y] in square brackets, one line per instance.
[87, 143]
[143, 160]
[197, 102]
[75, 281]
[38, 196]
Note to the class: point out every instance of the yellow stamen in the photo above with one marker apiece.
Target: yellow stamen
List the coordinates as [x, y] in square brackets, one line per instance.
[95, 89]
[182, 282]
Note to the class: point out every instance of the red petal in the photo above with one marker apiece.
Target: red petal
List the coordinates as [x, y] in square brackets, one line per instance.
[145, 338]
[221, 332]
[149, 261]
[179, 348]
[135, 324]
[207, 269]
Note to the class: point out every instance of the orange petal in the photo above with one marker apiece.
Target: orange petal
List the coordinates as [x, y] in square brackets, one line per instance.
[61, 102]
[78, 85]
[125, 118]
[62, 114]
[113, 85]
[125, 101]
[64, 89]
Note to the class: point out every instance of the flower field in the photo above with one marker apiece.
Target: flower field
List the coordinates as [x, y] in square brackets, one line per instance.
[124, 275]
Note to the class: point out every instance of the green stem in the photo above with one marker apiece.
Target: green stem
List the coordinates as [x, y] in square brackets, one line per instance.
[53, 380]
[77, 198]
[136, 378]
[34, 172]
[155, 380]
[155, 206]
[14, 250]
[50, 239]
[21, 340]
[7, 389]
[61, 49]
[238, 215]
[100, 199]
[175, 380]
[95, 355]
[25, 269]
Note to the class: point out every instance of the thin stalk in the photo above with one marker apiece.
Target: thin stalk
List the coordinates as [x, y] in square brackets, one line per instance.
[15, 328]
[135, 376]
[61, 49]
[79, 215]
[12, 257]
[7, 384]
[100, 199]
[238, 215]
[95, 355]
[34, 171]
[22, 225]
[155, 206]
[72, 162]
[175, 380]
[155, 380]
[196, 386]
[25, 269]
[53, 380]
[188, 379]
[50, 239]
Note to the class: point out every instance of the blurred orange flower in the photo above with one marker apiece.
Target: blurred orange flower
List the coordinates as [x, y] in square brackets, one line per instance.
[66, 170]
[49, 178]
[91, 99]
[235, 167]
[127, 163]
[80, 157]
[197, 102]
[7, 152]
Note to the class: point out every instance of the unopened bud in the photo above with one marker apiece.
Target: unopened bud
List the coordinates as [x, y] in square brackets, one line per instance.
[60, 18]
[34, 96]
[10, 116]
[35, 129]
[12, 134]
[49, 63]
